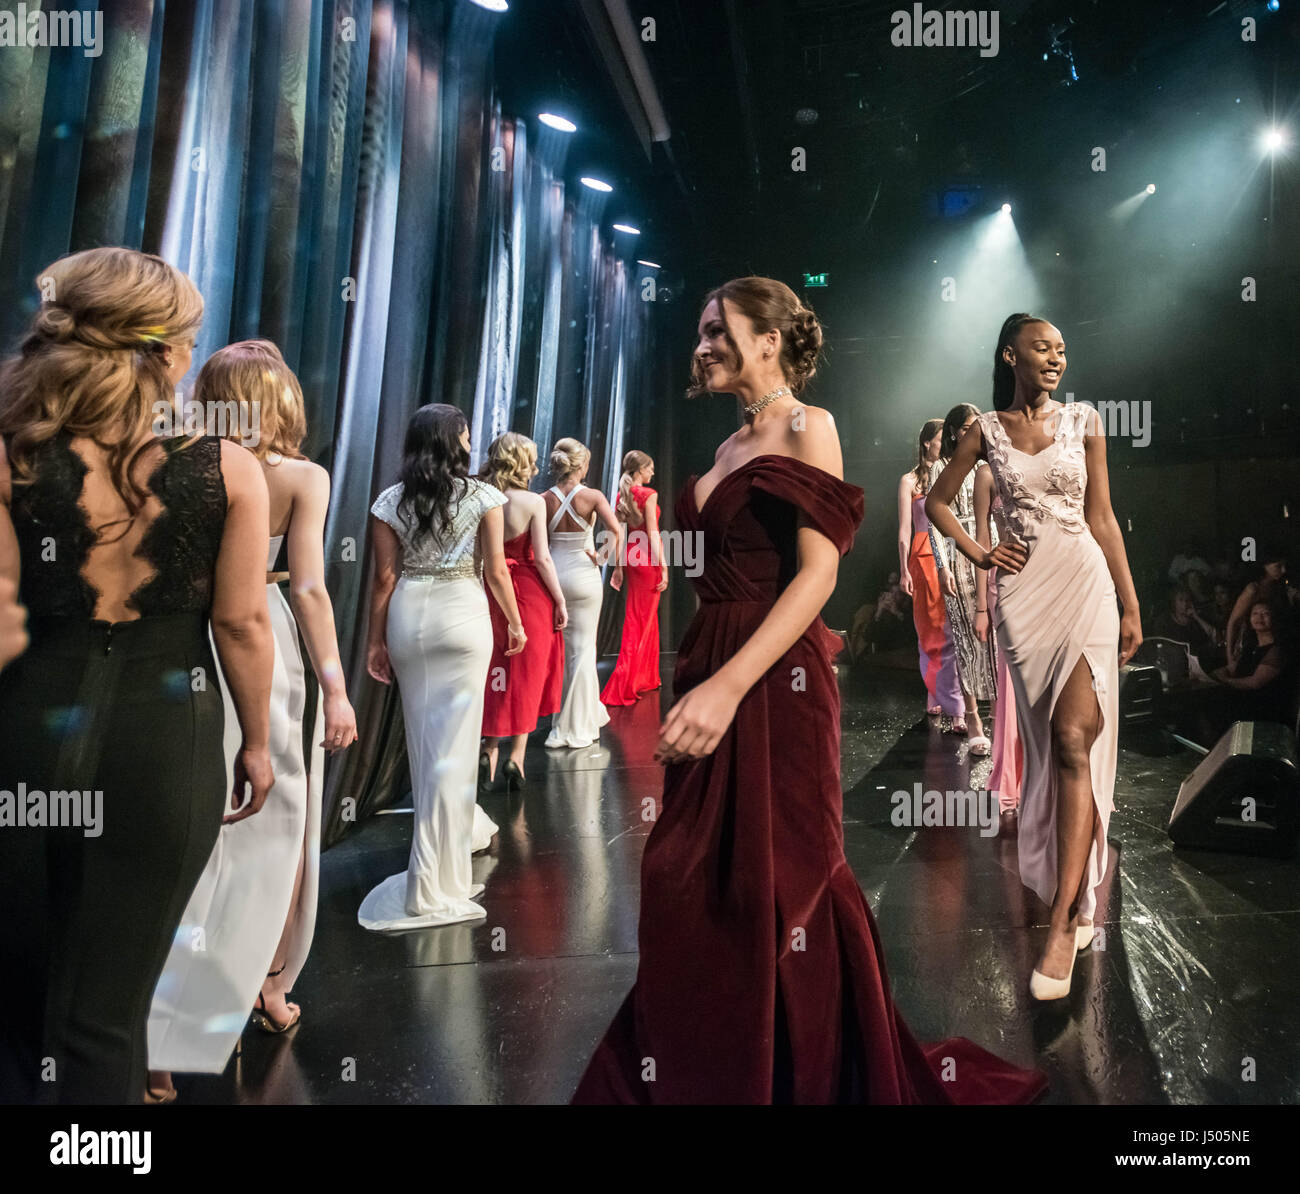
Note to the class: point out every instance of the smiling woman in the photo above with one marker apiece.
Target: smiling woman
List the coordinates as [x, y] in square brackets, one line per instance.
[760, 977]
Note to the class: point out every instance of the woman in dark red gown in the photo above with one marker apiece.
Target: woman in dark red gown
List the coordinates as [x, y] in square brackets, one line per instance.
[761, 978]
[523, 688]
[646, 576]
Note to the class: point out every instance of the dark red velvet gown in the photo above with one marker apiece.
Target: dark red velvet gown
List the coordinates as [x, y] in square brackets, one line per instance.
[522, 688]
[761, 978]
[637, 669]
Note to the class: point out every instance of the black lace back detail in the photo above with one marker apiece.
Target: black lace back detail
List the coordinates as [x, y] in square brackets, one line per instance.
[54, 537]
[185, 539]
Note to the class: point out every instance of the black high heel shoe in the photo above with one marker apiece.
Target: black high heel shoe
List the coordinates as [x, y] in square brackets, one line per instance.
[262, 1017]
[485, 772]
[513, 776]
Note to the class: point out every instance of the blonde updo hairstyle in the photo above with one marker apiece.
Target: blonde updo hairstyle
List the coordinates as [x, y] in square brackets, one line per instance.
[569, 456]
[768, 304]
[254, 375]
[626, 508]
[91, 363]
[511, 461]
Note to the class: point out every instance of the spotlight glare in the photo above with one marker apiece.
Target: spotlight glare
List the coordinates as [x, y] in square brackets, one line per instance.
[493, 5]
[649, 264]
[1273, 5]
[596, 184]
[1151, 188]
[1006, 209]
[628, 229]
[1274, 139]
[557, 122]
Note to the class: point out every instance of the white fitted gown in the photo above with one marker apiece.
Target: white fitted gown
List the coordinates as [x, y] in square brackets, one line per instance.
[440, 645]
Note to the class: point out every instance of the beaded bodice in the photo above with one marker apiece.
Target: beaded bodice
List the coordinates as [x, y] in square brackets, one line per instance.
[1047, 486]
[448, 553]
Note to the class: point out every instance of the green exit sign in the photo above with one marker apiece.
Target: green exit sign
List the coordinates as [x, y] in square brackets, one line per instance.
[816, 280]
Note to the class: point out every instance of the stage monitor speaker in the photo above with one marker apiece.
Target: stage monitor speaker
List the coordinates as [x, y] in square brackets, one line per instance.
[1139, 693]
[1244, 795]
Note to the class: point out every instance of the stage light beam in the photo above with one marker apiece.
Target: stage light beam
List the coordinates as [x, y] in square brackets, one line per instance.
[551, 120]
[596, 184]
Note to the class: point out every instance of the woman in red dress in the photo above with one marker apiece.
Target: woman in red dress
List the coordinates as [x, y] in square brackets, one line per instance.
[525, 687]
[646, 573]
[761, 978]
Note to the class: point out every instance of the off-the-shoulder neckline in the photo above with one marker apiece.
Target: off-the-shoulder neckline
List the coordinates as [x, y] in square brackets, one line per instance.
[694, 478]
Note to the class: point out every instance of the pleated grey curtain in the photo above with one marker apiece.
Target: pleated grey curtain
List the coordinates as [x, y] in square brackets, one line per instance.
[337, 176]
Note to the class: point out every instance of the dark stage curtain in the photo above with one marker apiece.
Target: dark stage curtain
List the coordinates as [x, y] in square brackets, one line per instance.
[337, 176]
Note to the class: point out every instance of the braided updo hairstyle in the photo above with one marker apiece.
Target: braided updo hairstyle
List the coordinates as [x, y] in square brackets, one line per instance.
[91, 363]
[768, 304]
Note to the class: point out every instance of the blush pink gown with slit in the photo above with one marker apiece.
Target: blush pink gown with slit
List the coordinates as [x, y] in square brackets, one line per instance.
[1059, 609]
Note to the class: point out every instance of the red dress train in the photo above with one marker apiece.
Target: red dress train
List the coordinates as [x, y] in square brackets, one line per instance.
[523, 688]
[637, 669]
[761, 978]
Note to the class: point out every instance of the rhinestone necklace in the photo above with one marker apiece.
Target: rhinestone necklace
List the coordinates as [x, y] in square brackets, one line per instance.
[767, 400]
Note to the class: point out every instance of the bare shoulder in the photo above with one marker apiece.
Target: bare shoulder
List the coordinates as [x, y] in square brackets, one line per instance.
[240, 469]
[303, 478]
[814, 439]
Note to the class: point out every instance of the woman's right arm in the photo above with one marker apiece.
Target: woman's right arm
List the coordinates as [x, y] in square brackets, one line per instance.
[1232, 637]
[241, 622]
[938, 508]
[905, 490]
[984, 537]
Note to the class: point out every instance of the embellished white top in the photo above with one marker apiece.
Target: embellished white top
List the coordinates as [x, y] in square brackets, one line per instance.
[445, 554]
[1046, 485]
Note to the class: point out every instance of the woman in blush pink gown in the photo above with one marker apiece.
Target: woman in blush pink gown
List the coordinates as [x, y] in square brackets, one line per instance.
[1060, 570]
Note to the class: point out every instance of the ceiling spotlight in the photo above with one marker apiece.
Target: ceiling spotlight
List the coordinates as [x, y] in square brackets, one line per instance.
[1274, 139]
[628, 229]
[1151, 188]
[649, 264]
[557, 122]
[1006, 209]
[1273, 5]
[493, 5]
[596, 185]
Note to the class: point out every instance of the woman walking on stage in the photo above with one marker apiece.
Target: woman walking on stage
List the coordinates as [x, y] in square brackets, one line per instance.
[573, 509]
[976, 657]
[437, 536]
[524, 687]
[1058, 575]
[161, 539]
[646, 573]
[255, 903]
[920, 578]
[760, 977]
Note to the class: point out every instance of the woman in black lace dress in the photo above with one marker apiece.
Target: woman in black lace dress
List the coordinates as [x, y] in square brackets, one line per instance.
[125, 544]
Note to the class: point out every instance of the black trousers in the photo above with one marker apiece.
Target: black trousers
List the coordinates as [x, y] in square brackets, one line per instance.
[131, 711]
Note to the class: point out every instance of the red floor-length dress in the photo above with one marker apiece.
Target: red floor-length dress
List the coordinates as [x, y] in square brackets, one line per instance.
[760, 977]
[637, 669]
[525, 687]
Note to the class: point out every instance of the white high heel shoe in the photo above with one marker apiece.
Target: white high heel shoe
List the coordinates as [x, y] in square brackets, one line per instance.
[1045, 989]
[1083, 936]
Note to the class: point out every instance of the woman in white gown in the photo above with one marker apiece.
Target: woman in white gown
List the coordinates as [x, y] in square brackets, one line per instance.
[250, 919]
[572, 511]
[437, 535]
[1060, 569]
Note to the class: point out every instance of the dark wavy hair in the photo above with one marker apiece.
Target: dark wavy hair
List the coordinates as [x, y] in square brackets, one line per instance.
[1004, 377]
[435, 468]
[952, 425]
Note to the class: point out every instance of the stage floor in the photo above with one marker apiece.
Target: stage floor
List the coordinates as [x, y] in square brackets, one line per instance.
[1194, 999]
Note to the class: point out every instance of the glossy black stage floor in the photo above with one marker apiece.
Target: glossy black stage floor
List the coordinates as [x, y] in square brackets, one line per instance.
[1197, 980]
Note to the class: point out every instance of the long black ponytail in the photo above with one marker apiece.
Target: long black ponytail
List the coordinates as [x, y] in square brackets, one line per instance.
[1004, 377]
